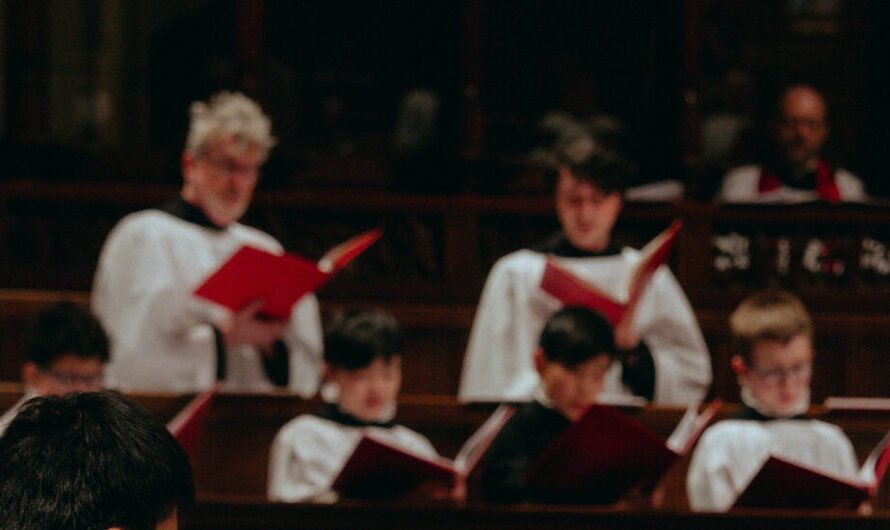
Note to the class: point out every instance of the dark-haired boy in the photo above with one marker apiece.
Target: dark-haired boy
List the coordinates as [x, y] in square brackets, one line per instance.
[663, 355]
[91, 461]
[363, 373]
[67, 351]
[575, 350]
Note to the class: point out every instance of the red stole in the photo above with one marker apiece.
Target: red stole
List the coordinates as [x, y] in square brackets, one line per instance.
[826, 187]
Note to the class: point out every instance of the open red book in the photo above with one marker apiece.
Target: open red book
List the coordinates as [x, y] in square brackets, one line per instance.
[279, 279]
[379, 469]
[606, 453]
[781, 483]
[571, 290]
[188, 425]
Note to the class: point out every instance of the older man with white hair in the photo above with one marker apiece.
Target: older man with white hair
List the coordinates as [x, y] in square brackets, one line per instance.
[163, 337]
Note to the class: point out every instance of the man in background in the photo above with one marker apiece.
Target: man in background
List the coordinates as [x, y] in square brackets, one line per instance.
[798, 171]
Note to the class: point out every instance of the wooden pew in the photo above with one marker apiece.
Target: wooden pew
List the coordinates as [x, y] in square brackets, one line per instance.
[242, 514]
[232, 455]
[852, 357]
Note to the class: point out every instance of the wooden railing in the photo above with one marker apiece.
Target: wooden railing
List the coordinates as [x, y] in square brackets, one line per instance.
[430, 266]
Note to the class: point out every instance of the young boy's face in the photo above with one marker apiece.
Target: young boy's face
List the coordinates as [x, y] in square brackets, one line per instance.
[68, 373]
[586, 214]
[368, 392]
[572, 390]
[779, 373]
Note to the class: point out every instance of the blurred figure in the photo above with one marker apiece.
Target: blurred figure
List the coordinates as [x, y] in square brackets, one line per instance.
[91, 461]
[798, 171]
[67, 351]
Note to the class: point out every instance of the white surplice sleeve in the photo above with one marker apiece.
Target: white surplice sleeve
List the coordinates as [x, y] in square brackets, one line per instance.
[667, 324]
[160, 334]
[498, 364]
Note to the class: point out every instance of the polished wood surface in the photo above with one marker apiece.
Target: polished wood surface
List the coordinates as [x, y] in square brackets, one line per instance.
[244, 514]
[231, 457]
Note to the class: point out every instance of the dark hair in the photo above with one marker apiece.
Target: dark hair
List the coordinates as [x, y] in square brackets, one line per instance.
[607, 171]
[66, 328]
[357, 337]
[89, 461]
[574, 335]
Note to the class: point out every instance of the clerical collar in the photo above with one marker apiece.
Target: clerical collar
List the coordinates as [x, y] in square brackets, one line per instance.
[558, 245]
[332, 412]
[752, 409]
[177, 207]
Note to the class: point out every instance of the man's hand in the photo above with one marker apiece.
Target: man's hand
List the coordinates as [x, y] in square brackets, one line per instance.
[246, 327]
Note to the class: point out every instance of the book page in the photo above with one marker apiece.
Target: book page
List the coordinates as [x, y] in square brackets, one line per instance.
[691, 426]
[342, 254]
[875, 466]
[652, 256]
[474, 448]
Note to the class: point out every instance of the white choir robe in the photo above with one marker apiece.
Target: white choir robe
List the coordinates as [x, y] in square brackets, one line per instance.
[161, 334]
[309, 452]
[513, 309]
[730, 453]
[741, 185]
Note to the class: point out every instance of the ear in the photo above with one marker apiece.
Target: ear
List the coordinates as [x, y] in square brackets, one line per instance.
[30, 374]
[187, 162]
[738, 365]
[563, 172]
[540, 361]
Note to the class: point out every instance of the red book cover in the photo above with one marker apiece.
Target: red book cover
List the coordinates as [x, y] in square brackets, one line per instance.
[279, 279]
[378, 469]
[571, 290]
[188, 425]
[781, 483]
[602, 456]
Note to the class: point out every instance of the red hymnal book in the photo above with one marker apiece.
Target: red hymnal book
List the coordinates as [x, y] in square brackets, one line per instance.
[606, 453]
[379, 469]
[188, 425]
[571, 290]
[781, 483]
[278, 279]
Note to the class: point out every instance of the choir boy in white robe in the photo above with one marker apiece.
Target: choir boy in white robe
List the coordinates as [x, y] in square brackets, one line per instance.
[772, 334]
[663, 354]
[364, 374]
[165, 339]
[66, 352]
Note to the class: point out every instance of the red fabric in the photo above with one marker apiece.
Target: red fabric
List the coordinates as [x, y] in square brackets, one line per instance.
[826, 187]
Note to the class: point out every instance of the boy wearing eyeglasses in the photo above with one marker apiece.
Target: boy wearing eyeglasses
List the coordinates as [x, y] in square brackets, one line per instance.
[67, 352]
[772, 340]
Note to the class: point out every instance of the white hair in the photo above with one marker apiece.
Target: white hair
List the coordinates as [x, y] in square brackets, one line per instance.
[228, 114]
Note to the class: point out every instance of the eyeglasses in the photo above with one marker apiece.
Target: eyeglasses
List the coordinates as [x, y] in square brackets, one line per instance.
[775, 376]
[231, 167]
[70, 380]
[812, 124]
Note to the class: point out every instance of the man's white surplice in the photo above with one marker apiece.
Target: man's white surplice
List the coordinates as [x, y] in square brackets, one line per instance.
[161, 334]
[731, 452]
[513, 310]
